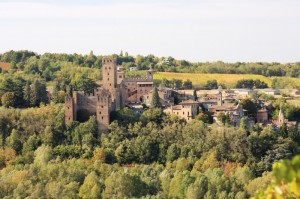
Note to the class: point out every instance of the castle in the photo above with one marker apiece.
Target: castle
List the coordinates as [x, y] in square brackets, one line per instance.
[112, 93]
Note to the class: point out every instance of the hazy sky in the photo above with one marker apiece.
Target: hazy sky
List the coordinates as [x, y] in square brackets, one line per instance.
[203, 30]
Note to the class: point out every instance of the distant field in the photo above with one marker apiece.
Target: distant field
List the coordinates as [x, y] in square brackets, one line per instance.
[295, 102]
[228, 79]
[200, 79]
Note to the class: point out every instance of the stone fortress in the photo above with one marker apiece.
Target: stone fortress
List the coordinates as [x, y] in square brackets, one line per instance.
[112, 93]
[115, 92]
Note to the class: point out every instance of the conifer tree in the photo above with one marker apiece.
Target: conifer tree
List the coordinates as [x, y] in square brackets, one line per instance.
[55, 92]
[34, 96]
[195, 95]
[27, 92]
[155, 99]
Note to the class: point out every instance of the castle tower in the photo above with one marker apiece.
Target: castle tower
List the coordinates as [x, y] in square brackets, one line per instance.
[150, 74]
[121, 74]
[109, 73]
[103, 111]
[70, 115]
[281, 118]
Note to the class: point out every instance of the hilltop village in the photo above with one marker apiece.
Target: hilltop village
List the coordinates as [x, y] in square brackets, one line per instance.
[115, 92]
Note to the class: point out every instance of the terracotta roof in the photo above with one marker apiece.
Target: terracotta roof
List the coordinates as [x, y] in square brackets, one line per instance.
[189, 102]
[224, 107]
[4, 65]
[262, 111]
[177, 107]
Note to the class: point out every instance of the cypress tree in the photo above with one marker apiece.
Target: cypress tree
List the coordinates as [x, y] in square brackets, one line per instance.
[55, 92]
[155, 98]
[27, 92]
[34, 94]
[195, 95]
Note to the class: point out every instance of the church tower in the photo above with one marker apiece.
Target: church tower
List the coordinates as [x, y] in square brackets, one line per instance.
[150, 74]
[281, 118]
[220, 99]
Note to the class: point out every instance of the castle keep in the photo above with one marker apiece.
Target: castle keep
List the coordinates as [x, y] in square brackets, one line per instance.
[113, 92]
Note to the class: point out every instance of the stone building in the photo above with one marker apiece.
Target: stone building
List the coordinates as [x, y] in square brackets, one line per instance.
[186, 109]
[262, 116]
[113, 92]
[165, 95]
[281, 120]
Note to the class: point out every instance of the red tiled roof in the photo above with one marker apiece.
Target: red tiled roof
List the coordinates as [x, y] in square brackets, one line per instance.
[189, 102]
[4, 66]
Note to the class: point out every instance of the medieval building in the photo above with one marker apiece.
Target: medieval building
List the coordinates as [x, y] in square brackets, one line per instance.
[187, 110]
[112, 93]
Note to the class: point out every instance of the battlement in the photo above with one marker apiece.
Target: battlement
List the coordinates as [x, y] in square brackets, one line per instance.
[68, 98]
[137, 79]
[108, 60]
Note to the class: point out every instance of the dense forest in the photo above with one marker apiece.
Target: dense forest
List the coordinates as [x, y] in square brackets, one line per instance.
[26, 59]
[145, 155]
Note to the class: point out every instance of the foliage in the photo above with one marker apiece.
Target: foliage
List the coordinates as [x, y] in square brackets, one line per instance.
[285, 181]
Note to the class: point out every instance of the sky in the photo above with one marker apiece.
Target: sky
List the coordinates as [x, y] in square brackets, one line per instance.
[194, 30]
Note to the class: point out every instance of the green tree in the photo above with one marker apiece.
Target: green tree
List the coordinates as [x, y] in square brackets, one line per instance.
[14, 142]
[91, 187]
[8, 99]
[250, 106]
[27, 93]
[123, 185]
[155, 99]
[187, 84]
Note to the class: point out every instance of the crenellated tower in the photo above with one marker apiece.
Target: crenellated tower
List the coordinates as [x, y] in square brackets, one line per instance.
[70, 112]
[103, 110]
[109, 73]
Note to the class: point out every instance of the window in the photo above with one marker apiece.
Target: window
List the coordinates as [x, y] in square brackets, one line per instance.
[109, 84]
[120, 76]
[69, 118]
[107, 79]
[100, 112]
[102, 117]
[183, 113]
[107, 73]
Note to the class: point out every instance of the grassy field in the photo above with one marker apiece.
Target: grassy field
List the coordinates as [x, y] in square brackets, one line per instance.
[294, 102]
[228, 79]
[200, 79]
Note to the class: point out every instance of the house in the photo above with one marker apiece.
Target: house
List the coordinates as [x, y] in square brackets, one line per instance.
[187, 109]
[166, 96]
[269, 91]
